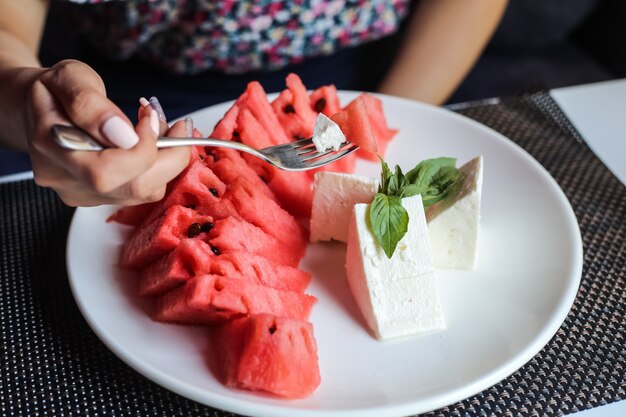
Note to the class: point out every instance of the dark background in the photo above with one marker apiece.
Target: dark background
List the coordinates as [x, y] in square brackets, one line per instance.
[540, 44]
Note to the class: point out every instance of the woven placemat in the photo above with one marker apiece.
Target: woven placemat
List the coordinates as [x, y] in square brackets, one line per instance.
[53, 364]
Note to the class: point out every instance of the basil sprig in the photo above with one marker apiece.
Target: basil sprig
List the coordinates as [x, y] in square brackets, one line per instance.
[432, 178]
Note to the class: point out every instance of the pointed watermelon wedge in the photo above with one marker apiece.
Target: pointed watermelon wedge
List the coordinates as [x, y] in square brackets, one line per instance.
[194, 257]
[212, 299]
[293, 189]
[325, 100]
[256, 102]
[355, 125]
[267, 353]
[161, 236]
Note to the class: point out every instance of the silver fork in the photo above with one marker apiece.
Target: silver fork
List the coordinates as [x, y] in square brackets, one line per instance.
[295, 156]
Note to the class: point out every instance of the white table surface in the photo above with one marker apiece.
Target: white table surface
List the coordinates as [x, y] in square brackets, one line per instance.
[598, 111]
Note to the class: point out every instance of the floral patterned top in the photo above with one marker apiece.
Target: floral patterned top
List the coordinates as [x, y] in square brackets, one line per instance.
[189, 36]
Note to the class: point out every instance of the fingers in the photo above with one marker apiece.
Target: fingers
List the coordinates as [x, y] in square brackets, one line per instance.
[81, 94]
[132, 172]
[106, 171]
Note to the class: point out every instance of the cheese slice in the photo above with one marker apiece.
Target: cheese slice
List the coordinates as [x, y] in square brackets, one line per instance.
[334, 196]
[453, 227]
[397, 296]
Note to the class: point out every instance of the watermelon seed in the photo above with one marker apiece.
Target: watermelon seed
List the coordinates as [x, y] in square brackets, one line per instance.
[213, 191]
[289, 109]
[320, 105]
[209, 151]
[272, 328]
[194, 230]
[201, 157]
[206, 227]
[236, 134]
[191, 206]
[215, 250]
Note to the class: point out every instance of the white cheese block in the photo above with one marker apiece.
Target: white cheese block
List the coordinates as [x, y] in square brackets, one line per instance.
[334, 196]
[397, 296]
[454, 232]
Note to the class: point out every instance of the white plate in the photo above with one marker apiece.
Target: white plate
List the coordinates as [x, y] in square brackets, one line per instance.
[498, 316]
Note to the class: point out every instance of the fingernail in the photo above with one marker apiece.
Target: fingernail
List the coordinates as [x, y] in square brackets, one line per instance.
[119, 133]
[154, 102]
[189, 126]
[144, 102]
[154, 122]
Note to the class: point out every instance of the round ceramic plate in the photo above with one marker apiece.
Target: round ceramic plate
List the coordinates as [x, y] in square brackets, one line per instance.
[498, 316]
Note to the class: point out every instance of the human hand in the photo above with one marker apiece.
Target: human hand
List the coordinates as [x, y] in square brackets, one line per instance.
[130, 171]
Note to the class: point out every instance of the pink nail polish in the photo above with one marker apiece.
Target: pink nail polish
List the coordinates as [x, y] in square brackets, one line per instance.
[154, 122]
[119, 133]
[144, 102]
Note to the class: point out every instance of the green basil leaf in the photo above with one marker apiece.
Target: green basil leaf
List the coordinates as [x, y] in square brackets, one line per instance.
[396, 182]
[413, 189]
[389, 221]
[385, 177]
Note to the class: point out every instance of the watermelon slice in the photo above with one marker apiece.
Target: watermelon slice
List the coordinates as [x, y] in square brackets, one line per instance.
[142, 213]
[293, 109]
[229, 165]
[212, 299]
[232, 234]
[132, 215]
[325, 100]
[225, 129]
[355, 125]
[255, 207]
[161, 236]
[382, 132]
[255, 102]
[198, 188]
[267, 353]
[194, 257]
[293, 189]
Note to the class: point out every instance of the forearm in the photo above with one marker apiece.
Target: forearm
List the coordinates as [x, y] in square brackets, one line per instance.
[18, 67]
[21, 25]
[443, 41]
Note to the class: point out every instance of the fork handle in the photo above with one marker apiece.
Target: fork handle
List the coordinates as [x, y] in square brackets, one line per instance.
[73, 138]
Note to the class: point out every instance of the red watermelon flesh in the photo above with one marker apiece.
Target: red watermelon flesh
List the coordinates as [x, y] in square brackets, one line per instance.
[198, 188]
[225, 128]
[267, 353]
[355, 125]
[256, 102]
[293, 109]
[212, 299]
[325, 100]
[290, 121]
[232, 234]
[132, 215]
[255, 207]
[293, 189]
[160, 236]
[229, 165]
[382, 132]
[194, 257]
